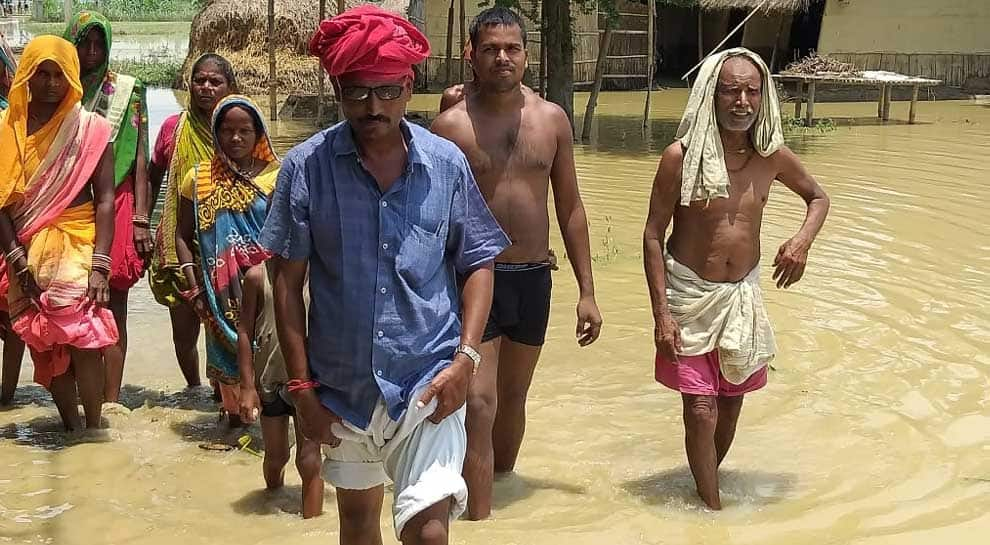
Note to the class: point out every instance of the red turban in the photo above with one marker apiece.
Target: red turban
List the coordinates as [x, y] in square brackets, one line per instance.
[369, 42]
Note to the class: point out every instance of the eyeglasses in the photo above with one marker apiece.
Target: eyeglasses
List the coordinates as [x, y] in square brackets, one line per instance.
[383, 92]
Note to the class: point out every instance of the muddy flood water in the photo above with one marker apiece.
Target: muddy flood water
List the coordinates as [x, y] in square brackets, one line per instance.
[874, 429]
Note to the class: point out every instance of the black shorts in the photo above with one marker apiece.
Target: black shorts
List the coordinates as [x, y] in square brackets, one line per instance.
[280, 406]
[520, 303]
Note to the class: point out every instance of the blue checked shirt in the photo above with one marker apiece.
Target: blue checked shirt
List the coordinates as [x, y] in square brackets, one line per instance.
[384, 298]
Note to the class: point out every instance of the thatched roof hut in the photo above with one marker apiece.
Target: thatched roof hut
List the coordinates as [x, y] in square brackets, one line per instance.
[238, 30]
[772, 5]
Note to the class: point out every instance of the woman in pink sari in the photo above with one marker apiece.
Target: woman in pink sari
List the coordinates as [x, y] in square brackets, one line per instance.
[56, 227]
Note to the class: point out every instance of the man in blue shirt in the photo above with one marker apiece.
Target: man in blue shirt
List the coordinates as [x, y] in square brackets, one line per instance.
[399, 244]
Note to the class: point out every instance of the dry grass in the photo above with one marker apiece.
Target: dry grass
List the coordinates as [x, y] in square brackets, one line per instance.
[238, 30]
[773, 5]
[816, 64]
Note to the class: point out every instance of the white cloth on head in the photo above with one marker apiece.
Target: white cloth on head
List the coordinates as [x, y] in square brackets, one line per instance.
[703, 172]
[423, 459]
[729, 316]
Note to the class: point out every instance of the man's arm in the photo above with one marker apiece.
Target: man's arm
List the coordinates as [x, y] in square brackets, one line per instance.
[451, 385]
[573, 224]
[251, 288]
[792, 257]
[290, 324]
[290, 314]
[103, 190]
[663, 200]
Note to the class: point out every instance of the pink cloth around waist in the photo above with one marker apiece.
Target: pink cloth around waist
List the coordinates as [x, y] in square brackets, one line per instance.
[702, 375]
[50, 332]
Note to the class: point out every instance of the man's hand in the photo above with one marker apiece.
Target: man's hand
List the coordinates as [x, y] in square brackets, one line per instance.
[99, 288]
[790, 262]
[314, 419]
[143, 244]
[589, 321]
[449, 387]
[667, 337]
[250, 403]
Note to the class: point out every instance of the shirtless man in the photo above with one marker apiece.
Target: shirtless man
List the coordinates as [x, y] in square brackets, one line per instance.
[715, 356]
[516, 143]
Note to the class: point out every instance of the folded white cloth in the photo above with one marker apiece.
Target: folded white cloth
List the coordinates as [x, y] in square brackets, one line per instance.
[729, 316]
[703, 172]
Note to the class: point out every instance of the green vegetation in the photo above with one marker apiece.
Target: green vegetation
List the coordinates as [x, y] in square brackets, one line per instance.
[120, 28]
[129, 10]
[608, 250]
[793, 125]
[153, 72]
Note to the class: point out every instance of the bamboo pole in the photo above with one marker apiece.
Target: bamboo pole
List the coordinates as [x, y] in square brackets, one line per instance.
[543, 52]
[272, 84]
[701, 34]
[67, 8]
[450, 43]
[776, 44]
[727, 37]
[320, 89]
[341, 8]
[463, 38]
[589, 111]
[651, 50]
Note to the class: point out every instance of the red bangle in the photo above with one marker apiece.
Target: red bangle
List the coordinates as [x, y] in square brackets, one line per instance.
[296, 385]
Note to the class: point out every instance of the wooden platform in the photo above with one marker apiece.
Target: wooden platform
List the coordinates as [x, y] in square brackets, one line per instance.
[885, 81]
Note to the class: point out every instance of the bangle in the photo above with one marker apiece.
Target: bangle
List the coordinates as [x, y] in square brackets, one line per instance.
[186, 265]
[101, 262]
[141, 220]
[17, 253]
[296, 385]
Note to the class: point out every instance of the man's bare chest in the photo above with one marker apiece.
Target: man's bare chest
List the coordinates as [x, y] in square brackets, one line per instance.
[511, 151]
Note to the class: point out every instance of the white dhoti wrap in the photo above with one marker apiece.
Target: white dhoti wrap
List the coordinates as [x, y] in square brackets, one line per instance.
[729, 316]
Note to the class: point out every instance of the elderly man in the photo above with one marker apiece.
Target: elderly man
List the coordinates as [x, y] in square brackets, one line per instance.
[712, 333]
[388, 219]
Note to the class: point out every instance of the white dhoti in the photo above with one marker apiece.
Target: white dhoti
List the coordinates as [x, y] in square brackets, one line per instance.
[729, 316]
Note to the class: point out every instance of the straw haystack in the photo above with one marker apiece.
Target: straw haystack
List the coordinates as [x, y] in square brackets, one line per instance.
[772, 5]
[238, 30]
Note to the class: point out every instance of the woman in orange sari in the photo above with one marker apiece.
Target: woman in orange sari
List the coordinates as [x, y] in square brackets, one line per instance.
[56, 227]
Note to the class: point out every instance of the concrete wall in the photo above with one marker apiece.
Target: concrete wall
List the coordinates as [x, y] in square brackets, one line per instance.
[942, 39]
[906, 26]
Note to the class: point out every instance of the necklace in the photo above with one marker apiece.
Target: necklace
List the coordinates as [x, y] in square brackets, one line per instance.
[248, 172]
[746, 162]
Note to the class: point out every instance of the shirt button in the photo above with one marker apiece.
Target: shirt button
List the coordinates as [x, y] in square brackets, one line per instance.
[384, 291]
[381, 334]
[379, 372]
[384, 204]
[385, 246]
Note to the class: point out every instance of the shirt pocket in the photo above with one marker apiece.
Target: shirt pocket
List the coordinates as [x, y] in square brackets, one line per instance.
[421, 255]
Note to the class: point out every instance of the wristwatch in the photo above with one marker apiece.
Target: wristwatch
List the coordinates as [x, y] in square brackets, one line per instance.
[470, 352]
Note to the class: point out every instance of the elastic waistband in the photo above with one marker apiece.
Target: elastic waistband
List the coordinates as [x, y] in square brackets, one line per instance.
[520, 267]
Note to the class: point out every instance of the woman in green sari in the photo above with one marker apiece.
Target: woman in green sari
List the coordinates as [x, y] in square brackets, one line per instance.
[184, 141]
[121, 100]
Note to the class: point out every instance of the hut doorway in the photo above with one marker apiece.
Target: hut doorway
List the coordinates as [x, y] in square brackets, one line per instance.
[805, 30]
